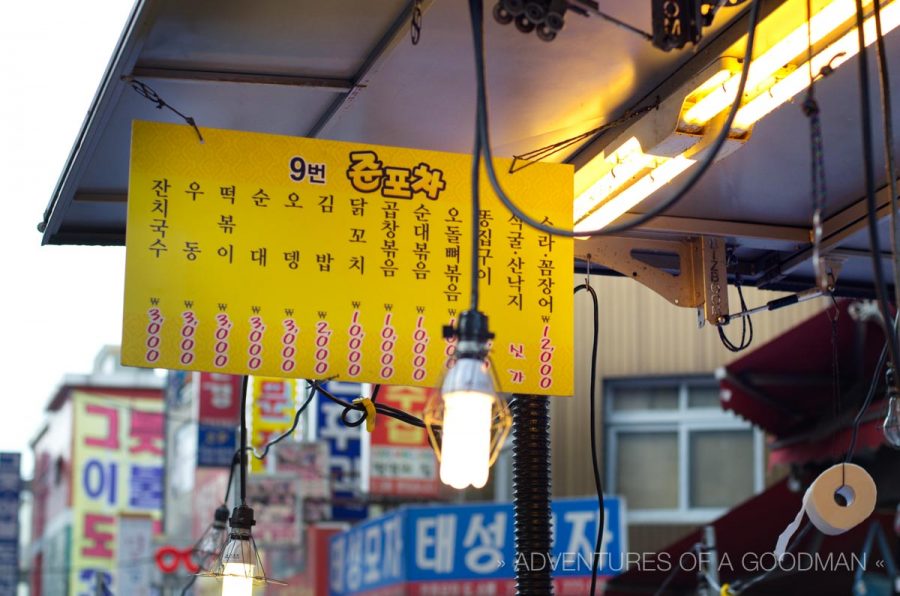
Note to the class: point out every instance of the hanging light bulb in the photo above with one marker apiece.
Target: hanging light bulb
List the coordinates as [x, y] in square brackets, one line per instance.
[210, 544]
[237, 576]
[467, 423]
[239, 565]
[468, 400]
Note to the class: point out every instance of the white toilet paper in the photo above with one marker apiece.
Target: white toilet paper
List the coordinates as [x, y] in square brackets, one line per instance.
[850, 481]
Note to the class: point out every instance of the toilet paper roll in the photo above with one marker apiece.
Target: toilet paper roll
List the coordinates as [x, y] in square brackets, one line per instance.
[849, 481]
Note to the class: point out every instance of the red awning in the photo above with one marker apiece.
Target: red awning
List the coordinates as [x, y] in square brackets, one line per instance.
[785, 387]
[745, 538]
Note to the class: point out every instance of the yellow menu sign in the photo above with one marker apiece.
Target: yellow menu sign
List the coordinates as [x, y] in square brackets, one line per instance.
[291, 257]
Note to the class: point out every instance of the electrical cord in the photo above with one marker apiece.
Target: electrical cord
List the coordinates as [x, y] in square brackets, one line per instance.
[477, 18]
[314, 388]
[746, 324]
[601, 523]
[359, 421]
[188, 585]
[243, 446]
[234, 462]
[288, 432]
[870, 396]
[237, 454]
[383, 409]
[240, 456]
[869, 170]
[476, 214]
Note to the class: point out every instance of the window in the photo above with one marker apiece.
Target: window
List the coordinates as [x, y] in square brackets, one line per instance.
[674, 454]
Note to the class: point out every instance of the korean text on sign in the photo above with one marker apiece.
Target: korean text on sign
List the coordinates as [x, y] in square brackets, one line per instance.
[290, 257]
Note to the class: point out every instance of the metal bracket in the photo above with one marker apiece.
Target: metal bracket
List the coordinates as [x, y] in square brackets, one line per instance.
[833, 265]
[714, 276]
[688, 273]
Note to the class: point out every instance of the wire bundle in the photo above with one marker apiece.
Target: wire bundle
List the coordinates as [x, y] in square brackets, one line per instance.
[746, 328]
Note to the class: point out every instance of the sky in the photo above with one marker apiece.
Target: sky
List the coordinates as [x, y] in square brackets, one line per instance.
[59, 304]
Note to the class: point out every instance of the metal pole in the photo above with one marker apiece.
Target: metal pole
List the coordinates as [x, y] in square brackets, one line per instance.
[778, 303]
[531, 494]
[709, 563]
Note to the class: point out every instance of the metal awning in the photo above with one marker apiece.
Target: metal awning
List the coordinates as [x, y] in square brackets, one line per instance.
[785, 386]
[348, 71]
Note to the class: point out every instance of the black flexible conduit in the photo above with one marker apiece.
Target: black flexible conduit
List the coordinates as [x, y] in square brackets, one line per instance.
[531, 494]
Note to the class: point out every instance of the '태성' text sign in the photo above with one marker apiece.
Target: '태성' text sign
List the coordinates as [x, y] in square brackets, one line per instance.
[292, 257]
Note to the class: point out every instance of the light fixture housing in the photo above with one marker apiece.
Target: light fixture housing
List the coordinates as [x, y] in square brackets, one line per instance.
[780, 73]
[648, 154]
[793, 81]
[769, 64]
[239, 565]
[467, 422]
[667, 141]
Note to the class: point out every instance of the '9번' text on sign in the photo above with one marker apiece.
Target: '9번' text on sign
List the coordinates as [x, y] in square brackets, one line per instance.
[291, 257]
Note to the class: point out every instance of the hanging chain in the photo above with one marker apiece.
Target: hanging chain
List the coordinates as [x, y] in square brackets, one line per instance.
[415, 29]
[811, 109]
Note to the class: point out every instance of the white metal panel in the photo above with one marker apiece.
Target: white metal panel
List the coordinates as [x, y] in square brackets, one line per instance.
[308, 37]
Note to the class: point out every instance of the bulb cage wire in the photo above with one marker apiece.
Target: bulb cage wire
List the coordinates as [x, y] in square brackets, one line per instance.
[501, 423]
[208, 548]
[245, 554]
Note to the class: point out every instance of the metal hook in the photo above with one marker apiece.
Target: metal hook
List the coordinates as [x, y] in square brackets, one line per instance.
[828, 68]
[587, 275]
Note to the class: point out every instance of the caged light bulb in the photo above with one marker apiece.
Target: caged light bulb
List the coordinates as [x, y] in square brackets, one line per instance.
[891, 426]
[466, 435]
[237, 575]
[239, 566]
[467, 423]
[210, 544]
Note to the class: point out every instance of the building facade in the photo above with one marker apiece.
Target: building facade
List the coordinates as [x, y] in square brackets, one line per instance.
[97, 487]
[664, 437]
